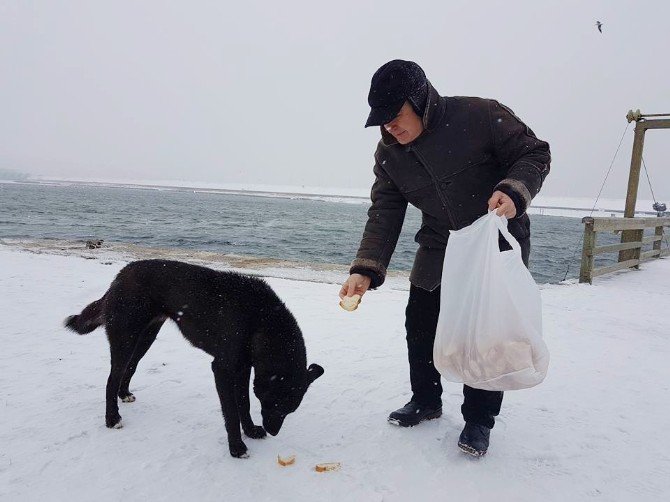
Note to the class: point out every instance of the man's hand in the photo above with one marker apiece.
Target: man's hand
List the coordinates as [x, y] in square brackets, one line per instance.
[503, 205]
[357, 284]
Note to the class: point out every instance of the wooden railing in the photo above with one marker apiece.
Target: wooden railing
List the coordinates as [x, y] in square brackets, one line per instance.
[631, 254]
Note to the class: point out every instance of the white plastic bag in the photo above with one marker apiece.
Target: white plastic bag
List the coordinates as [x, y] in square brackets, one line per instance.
[489, 332]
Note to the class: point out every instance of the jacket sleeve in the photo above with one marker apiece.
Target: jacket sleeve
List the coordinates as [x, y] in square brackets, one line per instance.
[385, 219]
[524, 157]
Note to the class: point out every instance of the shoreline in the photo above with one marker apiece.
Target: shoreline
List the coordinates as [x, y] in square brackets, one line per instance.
[114, 252]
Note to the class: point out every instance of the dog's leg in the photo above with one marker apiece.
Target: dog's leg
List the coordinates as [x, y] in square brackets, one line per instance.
[242, 398]
[147, 337]
[225, 386]
[125, 324]
[121, 344]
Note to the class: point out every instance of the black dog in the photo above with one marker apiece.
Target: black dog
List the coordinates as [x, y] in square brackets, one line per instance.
[239, 320]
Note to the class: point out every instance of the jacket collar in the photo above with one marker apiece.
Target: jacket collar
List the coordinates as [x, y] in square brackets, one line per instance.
[436, 106]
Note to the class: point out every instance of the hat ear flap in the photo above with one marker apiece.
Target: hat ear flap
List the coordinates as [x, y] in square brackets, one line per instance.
[313, 372]
[419, 99]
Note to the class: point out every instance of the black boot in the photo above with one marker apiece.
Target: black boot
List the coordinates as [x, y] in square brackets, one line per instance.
[474, 439]
[413, 414]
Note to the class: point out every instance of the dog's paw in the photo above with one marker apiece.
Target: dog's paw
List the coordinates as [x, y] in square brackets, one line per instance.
[255, 432]
[113, 422]
[127, 398]
[238, 449]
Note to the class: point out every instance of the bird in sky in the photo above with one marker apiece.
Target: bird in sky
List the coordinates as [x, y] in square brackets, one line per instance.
[600, 26]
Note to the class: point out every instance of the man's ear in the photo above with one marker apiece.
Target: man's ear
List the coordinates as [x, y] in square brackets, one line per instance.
[313, 372]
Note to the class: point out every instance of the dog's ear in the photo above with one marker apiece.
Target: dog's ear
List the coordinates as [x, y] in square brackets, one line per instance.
[313, 372]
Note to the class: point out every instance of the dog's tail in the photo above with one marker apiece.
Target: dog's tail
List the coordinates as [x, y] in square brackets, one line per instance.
[90, 318]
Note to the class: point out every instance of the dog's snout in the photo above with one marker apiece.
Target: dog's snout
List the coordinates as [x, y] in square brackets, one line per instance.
[272, 422]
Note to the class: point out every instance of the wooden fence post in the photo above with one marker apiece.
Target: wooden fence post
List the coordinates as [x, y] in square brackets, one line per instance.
[658, 244]
[636, 253]
[586, 271]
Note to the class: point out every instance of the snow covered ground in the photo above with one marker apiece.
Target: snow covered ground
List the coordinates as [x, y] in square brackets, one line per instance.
[597, 428]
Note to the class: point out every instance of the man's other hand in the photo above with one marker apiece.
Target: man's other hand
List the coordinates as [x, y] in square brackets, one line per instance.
[356, 284]
[503, 205]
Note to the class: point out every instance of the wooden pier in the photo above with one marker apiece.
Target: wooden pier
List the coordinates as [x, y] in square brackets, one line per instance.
[636, 253]
[633, 240]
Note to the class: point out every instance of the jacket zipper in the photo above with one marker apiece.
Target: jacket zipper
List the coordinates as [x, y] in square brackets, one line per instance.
[436, 184]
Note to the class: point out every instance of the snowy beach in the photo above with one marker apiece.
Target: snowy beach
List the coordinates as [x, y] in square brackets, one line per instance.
[297, 142]
[596, 428]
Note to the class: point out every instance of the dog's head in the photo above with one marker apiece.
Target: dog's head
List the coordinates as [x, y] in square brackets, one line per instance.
[281, 394]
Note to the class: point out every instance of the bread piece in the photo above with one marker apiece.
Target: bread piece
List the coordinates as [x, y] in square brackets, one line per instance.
[284, 461]
[329, 466]
[350, 303]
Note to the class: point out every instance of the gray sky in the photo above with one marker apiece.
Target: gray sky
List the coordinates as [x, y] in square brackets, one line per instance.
[275, 92]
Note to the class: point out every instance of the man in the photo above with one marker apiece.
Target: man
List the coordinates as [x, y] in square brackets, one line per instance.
[453, 158]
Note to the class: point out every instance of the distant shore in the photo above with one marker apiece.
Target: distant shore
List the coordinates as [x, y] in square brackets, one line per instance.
[543, 205]
[201, 188]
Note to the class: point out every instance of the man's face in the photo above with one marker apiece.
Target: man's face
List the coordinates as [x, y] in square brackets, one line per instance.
[407, 125]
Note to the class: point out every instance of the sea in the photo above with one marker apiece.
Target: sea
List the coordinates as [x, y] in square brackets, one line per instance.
[290, 229]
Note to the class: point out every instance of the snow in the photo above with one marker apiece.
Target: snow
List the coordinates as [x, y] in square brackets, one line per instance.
[596, 428]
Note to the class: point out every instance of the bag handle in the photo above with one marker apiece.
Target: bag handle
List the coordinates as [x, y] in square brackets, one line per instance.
[501, 225]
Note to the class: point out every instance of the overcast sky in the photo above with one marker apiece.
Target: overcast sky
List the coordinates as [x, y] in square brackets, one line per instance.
[276, 92]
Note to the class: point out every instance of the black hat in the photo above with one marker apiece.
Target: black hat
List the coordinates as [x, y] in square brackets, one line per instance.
[393, 84]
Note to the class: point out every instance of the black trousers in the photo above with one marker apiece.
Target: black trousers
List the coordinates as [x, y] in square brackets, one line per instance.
[423, 308]
[479, 406]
